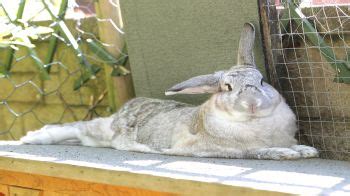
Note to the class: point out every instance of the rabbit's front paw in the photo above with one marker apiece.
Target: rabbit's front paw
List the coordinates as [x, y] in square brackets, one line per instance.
[277, 154]
[37, 137]
[305, 151]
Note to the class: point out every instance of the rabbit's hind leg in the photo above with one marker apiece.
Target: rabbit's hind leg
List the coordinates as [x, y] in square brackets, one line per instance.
[50, 134]
[126, 142]
[95, 133]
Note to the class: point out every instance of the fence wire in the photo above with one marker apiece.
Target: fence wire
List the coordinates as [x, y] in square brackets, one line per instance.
[27, 102]
[309, 62]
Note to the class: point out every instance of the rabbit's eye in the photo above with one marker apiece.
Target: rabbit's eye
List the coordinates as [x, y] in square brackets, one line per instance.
[229, 87]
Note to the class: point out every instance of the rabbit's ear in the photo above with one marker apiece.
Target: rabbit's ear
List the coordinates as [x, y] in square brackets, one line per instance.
[245, 55]
[198, 85]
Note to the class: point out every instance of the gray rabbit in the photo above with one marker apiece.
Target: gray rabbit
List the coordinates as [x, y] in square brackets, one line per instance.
[244, 118]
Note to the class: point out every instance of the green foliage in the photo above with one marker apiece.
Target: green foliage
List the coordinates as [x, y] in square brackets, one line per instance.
[342, 67]
[53, 39]
[18, 32]
[85, 77]
[118, 64]
[22, 33]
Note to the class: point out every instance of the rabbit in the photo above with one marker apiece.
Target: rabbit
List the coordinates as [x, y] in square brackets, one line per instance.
[244, 118]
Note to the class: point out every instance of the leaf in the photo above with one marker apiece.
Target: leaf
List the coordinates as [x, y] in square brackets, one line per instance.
[101, 52]
[120, 71]
[104, 55]
[5, 34]
[36, 31]
[5, 44]
[40, 65]
[341, 67]
[85, 77]
[10, 54]
[53, 39]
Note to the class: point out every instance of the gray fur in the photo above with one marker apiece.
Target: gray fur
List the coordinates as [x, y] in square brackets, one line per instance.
[246, 44]
[145, 116]
[199, 84]
[244, 118]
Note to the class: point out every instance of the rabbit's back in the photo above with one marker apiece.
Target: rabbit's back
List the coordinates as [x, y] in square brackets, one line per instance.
[151, 121]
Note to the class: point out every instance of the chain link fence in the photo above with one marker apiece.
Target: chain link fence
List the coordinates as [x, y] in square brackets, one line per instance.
[56, 59]
[308, 56]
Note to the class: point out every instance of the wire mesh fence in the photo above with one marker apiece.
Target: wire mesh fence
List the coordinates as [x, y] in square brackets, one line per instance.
[308, 56]
[56, 59]
[57, 56]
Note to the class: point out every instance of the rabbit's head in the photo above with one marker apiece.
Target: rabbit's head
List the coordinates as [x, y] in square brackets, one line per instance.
[240, 91]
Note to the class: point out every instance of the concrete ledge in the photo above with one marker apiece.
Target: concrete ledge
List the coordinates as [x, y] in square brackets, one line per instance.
[186, 175]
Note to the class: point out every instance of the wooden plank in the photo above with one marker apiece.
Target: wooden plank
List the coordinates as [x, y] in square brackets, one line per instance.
[269, 27]
[52, 193]
[126, 179]
[60, 186]
[20, 191]
[4, 190]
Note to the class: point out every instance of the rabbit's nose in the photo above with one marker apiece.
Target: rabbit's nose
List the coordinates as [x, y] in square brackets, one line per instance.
[251, 105]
